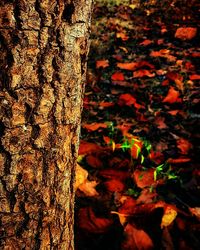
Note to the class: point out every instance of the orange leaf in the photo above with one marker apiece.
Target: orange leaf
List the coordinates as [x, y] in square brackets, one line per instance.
[102, 64]
[194, 77]
[91, 223]
[195, 211]
[127, 66]
[114, 185]
[143, 73]
[186, 33]
[146, 42]
[144, 178]
[172, 96]
[94, 126]
[129, 100]
[160, 122]
[106, 104]
[88, 188]
[146, 196]
[136, 239]
[117, 76]
[128, 206]
[122, 35]
[136, 148]
[177, 78]
[173, 112]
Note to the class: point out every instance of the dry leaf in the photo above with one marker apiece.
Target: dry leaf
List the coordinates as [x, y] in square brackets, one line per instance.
[195, 211]
[94, 126]
[144, 178]
[117, 76]
[102, 64]
[172, 96]
[81, 176]
[169, 216]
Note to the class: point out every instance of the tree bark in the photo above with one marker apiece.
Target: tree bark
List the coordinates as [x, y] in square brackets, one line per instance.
[44, 46]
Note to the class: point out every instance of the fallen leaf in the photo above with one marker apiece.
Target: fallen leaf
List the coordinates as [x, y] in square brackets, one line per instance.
[93, 161]
[172, 96]
[160, 122]
[184, 145]
[127, 66]
[122, 35]
[114, 174]
[194, 77]
[128, 100]
[177, 78]
[144, 178]
[117, 76]
[88, 188]
[81, 176]
[128, 205]
[89, 222]
[173, 112]
[102, 64]
[146, 196]
[106, 104]
[143, 73]
[94, 126]
[186, 33]
[146, 42]
[114, 185]
[136, 239]
[178, 160]
[169, 216]
[195, 211]
[88, 147]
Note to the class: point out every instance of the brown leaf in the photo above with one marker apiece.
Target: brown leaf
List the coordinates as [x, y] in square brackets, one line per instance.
[136, 239]
[81, 176]
[195, 211]
[114, 174]
[186, 33]
[93, 161]
[89, 222]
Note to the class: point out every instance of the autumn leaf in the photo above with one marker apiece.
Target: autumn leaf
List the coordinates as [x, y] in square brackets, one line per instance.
[178, 160]
[146, 42]
[147, 195]
[186, 33]
[184, 145]
[102, 64]
[106, 104]
[88, 188]
[194, 77]
[143, 73]
[144, 178]
[91, 223]
[88, 147]
[172, 96]
[128, 100]
[114, 174]
[127, 66]
[117, 76]
[136, 239]
[122, 35]
[127, 206]
[169, 216]
[177, 78]
[195, 211]
[81, 176]
[114, 185]
[94, 126]
[93, 161]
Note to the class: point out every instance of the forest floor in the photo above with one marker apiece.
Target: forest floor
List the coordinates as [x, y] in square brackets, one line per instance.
[138, 174]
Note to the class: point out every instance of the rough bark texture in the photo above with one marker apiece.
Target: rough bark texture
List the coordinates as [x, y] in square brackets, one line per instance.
[44, 46]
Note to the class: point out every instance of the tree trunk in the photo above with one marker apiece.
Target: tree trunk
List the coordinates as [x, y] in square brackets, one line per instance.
[44, 45]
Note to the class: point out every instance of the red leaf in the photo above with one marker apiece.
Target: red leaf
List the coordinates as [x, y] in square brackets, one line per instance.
[114, 185]
[90, 222]
[128, 205]
[146, 42]
[94, 161]
[102, 64]
[194, 77]
[114, 174]
[106, 104]
[172, 96]
[127, 66]
[186, 33]
[179, 160]
[143, 73]
[144, 178]
[117, 76]
[184, 145]
[129, 100]
[88, 147]
[136, 239]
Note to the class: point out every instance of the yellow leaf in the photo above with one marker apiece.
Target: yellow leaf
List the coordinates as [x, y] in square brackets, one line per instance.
[168, 217]
[88, 188]
[122, 217]
[81, 176]
[133, 6]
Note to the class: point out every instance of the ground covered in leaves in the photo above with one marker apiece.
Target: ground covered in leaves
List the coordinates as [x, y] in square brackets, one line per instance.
[138, 171]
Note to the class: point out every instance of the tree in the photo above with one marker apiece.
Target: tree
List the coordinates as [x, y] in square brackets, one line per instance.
[44, 45]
